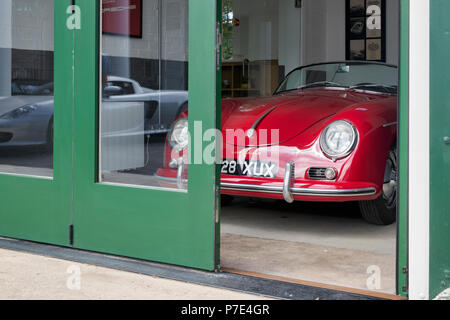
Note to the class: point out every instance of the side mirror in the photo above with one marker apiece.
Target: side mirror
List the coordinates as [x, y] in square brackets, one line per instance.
[112, 91]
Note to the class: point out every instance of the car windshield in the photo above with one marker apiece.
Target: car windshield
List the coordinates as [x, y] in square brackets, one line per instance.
[350, 75]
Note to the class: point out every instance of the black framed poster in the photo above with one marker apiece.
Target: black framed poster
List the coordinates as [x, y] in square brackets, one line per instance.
[366, 30]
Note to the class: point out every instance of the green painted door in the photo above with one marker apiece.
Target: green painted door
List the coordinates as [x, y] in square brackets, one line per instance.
[403, 147]
[439, 147]
[35, 121]
[136, 72]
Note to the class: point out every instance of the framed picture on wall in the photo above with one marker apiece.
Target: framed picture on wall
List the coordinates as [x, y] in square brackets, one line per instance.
[366, 30]
[122, 17]
[356, 8]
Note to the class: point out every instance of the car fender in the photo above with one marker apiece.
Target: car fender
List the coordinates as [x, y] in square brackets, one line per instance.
[376, 124]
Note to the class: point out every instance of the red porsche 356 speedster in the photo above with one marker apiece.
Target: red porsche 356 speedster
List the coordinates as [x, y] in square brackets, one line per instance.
[328, 133]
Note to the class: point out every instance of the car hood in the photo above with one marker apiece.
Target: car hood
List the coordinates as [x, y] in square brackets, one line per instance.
[292, 113]
[11, 103]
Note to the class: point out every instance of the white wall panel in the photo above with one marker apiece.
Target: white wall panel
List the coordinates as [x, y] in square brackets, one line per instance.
[419, 146]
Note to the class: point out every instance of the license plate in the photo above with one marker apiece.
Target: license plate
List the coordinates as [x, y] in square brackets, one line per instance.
[250, 168]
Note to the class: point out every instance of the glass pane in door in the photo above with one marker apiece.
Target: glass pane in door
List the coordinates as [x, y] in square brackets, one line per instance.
[26, 87]
[144, 89]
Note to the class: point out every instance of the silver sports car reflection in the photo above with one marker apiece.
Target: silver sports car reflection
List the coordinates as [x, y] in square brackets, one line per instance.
[26, 118]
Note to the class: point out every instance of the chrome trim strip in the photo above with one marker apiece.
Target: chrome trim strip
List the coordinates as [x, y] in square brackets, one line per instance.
[300, 191]
[23, 175]
[137, 186]
[390, 124]
[169, 180]
[251, 132]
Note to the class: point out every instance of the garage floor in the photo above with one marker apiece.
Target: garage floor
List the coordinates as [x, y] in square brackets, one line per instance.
[325, 243]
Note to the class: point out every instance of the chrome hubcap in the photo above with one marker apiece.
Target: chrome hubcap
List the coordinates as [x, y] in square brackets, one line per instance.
[390, 185]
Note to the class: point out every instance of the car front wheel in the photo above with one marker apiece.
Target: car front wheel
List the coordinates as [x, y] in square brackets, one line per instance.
[383, 211]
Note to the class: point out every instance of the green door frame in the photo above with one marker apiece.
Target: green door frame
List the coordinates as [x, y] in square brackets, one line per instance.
[439, 264]
[171, 227]
[36, 208]
[403, 150]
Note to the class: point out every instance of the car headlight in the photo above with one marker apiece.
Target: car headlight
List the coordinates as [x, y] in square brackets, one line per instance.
[179, 136]
[338, 139]
[19, 112]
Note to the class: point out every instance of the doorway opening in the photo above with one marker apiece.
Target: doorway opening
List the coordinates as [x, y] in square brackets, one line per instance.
[320, 77]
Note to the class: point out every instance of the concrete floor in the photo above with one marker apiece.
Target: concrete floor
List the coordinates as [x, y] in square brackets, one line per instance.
[326, 243]
[27, 276]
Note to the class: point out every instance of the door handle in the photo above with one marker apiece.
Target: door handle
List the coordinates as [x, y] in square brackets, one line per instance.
[447, 141]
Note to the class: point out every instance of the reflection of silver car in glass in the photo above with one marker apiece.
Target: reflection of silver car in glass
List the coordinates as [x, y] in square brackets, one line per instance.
[26, 118]
[161, 106]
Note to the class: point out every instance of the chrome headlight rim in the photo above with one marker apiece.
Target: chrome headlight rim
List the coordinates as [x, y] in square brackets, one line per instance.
[333, 155]
[172, 142]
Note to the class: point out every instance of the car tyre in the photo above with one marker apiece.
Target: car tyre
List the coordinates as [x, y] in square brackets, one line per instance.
[383, 211]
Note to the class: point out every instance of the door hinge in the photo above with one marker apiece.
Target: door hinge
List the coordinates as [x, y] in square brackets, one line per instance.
[405, 288]
[71, 234]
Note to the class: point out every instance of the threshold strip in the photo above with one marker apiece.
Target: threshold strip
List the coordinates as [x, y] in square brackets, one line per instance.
[375, 294]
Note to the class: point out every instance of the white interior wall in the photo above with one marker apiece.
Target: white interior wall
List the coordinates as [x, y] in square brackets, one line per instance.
[257, 36]
[335, 30]
[268, 30]
[324, 31]
[314, 33]
[289, 33]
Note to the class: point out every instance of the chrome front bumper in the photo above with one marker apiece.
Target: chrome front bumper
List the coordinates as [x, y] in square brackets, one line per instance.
[287, 190]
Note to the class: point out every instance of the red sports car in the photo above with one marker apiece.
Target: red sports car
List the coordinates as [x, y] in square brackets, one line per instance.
[327, 134]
